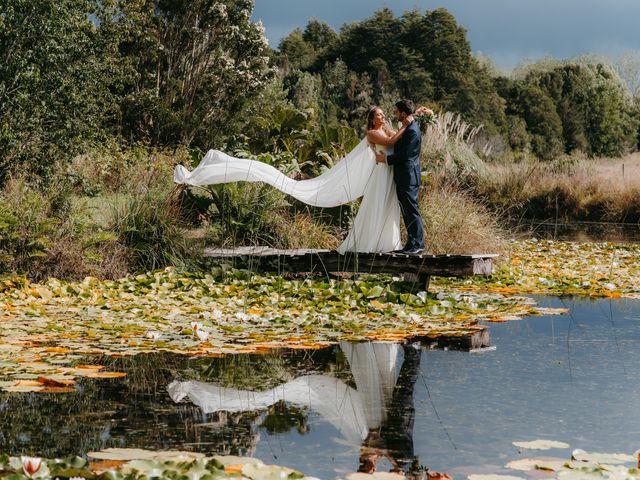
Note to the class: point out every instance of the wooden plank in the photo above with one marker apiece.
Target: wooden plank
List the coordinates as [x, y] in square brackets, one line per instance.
[326, 261]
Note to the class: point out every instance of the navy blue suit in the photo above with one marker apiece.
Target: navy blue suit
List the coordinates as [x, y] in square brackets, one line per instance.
[406, 173]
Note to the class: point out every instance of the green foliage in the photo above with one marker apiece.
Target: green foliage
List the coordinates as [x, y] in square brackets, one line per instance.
[149, 226]
[112, 168]
[423, 57]
[54, 96]
[538, 110]
[297, 52]
[243, 213]
[27, 224]
[43, 234]
[570, 107]
[186, 67]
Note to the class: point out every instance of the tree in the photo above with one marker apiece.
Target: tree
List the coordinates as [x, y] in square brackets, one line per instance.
[375, 37]
[54, 91]
[538, 110]
[295, 52]
[188, 67]
[591, 104]
[629, 70]
[320, 35]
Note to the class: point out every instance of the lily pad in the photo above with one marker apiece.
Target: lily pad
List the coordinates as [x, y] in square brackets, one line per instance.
[260, 471]
[122, 454]
[610, 458]
[541, 463]
[541, 445]
[494, 477]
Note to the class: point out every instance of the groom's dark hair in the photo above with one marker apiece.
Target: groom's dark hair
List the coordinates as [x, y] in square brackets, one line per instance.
[405, 106]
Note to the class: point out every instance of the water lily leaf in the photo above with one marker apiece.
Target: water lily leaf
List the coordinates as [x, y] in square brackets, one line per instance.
[28, 383]
[177, 455]
[46, 389]
[122, 454]
[151, 468]
[233, 460]
[359, 476]
[610, 458]
[388, 476]
[106, 375]
[584, 474]
[541, 445]
[52, 382]
[257, 471]
[541, 463]
[23, 389]
[103, 465]
[493, 477]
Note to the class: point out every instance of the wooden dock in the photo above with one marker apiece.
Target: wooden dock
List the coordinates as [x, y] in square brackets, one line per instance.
[413, 267]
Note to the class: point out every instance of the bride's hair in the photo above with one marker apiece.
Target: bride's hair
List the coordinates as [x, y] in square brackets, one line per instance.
[370, 115]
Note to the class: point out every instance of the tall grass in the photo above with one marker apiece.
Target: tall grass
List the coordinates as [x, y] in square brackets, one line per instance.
[150, 227]
[571, 188]
[456, 223]
[301, 230]
[449, 151]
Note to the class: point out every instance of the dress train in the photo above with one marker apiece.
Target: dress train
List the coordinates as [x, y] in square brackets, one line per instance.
[376, 227]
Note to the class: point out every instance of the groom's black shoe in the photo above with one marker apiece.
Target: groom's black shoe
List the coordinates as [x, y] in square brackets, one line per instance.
[402, 250]
[413, 251]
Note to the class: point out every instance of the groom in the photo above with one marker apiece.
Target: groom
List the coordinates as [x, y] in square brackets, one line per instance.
[406, 174]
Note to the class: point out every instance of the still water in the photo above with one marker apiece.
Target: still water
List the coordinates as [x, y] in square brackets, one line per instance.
[571, 378]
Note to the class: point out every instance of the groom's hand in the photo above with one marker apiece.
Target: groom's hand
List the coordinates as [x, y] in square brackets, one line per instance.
[381, 157]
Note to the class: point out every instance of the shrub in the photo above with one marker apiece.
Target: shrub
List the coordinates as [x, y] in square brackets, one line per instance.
[113, 169]
[149, 226]
[26, 226]
[243, 213]
[45, 234]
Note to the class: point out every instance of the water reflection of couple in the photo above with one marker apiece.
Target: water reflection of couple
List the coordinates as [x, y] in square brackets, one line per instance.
[377, 415]
[365, 172]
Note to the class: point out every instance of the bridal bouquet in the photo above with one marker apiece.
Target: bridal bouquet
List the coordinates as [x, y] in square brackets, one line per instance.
[424, 116]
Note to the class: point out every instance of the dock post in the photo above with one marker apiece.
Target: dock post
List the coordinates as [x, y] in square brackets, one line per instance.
[425, 279]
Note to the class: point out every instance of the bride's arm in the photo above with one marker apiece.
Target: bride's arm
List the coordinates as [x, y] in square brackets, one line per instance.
[387, 139]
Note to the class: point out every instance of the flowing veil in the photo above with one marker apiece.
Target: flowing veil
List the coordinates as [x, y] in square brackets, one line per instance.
[343, 183]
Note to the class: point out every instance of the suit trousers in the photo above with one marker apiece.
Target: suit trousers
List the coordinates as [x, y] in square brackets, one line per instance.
[408, 197]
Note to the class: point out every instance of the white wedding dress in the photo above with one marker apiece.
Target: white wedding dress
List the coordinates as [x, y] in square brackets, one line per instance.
[376, 227]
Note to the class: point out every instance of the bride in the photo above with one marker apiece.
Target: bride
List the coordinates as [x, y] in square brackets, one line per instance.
[376, 227]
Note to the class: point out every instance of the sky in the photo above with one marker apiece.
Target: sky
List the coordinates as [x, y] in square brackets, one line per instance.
[507, 31]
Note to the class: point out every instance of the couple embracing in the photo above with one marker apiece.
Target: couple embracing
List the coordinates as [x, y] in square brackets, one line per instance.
[383, 169]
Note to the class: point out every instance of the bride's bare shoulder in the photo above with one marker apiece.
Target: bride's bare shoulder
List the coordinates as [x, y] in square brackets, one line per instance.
[376, 135]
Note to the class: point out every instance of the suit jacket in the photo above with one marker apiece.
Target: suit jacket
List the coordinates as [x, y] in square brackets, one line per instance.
[406, 157]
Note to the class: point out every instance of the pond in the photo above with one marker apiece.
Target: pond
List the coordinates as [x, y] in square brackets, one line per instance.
[571, 378]
[579, 231]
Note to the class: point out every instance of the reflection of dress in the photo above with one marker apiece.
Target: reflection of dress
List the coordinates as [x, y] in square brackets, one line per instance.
[353, 412]
[375, 368]
[376, 227]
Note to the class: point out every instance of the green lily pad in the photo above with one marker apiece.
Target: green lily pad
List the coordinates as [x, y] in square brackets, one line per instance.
[541, 445]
